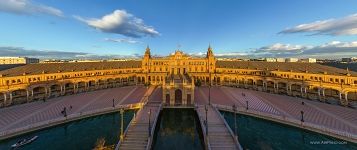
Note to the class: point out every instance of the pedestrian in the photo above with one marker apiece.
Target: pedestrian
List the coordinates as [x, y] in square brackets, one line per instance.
[70, 107]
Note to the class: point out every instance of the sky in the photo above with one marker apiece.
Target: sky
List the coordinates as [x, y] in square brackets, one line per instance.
[234, 28]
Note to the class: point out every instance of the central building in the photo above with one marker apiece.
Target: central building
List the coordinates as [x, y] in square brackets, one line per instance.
[177, 74]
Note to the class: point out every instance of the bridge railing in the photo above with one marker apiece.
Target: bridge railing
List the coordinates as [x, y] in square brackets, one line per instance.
[290, 120]
[152, 130]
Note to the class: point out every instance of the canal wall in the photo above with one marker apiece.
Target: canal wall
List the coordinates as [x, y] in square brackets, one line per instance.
[292, 122]
[58, 121]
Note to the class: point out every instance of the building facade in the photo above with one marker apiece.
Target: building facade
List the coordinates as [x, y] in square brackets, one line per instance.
[18, 60]
[178, 75]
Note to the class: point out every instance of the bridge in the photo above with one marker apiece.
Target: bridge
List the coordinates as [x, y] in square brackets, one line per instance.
[217, 133]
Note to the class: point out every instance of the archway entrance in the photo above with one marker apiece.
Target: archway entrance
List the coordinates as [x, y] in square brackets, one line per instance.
[167, 99]
[178, 96]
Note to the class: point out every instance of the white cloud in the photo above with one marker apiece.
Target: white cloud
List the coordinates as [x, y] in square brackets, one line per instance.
[28, 7]
[333, 49]
[341, 26]
[122, 40]
[279, 48]
[121, 22]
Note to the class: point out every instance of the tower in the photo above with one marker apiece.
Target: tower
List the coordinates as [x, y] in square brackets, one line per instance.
[146, 60]
[211, 61]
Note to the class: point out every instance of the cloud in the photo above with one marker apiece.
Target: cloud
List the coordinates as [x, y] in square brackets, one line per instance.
[48, 54]
[22, 52]
[333, 49]
[27, 7]
[123, 40]
[341, 26]
[121, 22]
[279, 48]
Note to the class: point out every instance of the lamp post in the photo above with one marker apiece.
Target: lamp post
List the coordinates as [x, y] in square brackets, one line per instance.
[206, 109]
[122, 124]
[113, 103]
[149, 123]
[246, 105]
[235, 119]
[302, 116]
[209, 95]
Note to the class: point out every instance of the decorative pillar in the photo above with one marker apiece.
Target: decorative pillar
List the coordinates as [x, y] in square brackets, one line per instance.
[5, 99]
[10, 97]
[27, 95]
[346, 99]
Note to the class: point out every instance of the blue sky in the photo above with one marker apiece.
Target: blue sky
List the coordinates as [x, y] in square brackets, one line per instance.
[242, 28]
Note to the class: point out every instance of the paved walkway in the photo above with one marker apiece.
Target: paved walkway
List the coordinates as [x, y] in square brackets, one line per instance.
[27, 114]
[326, 115]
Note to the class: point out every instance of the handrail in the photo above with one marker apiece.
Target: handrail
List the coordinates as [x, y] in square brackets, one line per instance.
[126, 130]
[206, 139]
[70, 117]
[293, 121]
[150, 139]
[236, 142]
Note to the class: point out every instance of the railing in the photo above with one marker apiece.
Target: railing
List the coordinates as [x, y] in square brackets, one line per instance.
[292, 121]
[203, 127]
[70, 117]
[127, 129]
[235, 137]
[152, 130]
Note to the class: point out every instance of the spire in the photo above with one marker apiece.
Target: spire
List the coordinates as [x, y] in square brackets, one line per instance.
[209, 51]
[147, 51]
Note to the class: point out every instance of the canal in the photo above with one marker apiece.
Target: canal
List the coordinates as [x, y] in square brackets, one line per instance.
[178, 129]
[256, 134]
[83, 134]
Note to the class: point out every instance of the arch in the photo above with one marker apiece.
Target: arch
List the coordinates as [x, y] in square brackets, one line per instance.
[55, 90]
[68, 88]
[110, 83]
[270, 86]
[296, 90]
[260, 84]
[312, 93]
[2, 100]
[178, 97]
[19, 96]
[282, 87]
[167, 99]
[250, 83]
[189, 101]
[92, 85]
[81, 86]
[352, 98]
[332, 95]
[39, 93]
[101, 83]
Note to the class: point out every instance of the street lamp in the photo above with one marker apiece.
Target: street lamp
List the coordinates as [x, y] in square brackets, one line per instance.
[113, 103]
[235, 119]
[206, 109]
[149, 123]
[302, 116]
[122, 124]
[209, 95]
[246, 105]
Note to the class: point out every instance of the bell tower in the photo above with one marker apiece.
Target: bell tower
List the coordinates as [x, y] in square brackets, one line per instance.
[211, 61]
[146, 60]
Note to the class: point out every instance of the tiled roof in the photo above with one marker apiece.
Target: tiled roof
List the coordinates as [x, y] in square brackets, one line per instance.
[284, 66]
[69, 67]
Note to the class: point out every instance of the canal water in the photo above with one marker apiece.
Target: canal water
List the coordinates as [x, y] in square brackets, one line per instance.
[178, 129]
[256, 134]
[83, 134]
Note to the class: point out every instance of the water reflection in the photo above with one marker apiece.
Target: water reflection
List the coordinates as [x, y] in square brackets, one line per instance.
[178, 129]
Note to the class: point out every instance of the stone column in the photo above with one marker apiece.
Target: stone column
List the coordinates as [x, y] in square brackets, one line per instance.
[346, 99]
[10, 97]
[27, 95]
[49, 92]
[319, 93]
[323, 93]
[5, 99]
